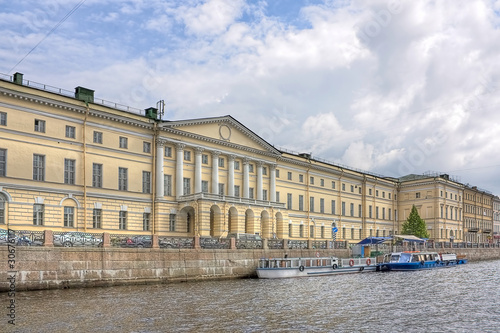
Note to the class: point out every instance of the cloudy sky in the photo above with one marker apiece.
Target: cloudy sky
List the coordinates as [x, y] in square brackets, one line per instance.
[388, 86]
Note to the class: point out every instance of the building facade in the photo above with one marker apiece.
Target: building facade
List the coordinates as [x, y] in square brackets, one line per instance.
[478, 219]
[70, 162]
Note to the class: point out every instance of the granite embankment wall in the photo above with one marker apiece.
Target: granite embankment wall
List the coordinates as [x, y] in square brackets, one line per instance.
[51, 268]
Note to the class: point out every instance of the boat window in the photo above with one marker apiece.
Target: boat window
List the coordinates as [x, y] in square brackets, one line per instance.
[405, 257]
[414, 258]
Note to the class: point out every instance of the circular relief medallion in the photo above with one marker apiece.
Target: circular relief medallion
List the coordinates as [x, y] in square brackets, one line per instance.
[224, 132]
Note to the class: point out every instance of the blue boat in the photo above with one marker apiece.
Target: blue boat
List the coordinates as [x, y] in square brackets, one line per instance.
[414, 260]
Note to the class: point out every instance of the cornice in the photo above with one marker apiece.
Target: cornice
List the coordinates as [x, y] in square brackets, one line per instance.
[74, 108]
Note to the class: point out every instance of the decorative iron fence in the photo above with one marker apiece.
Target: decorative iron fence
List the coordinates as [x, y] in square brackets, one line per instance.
[22, 237]
[249, 244]
[76, 238]
[297, 244]
[275, 244]
[176, 242]
[137, 241]
[215, 243]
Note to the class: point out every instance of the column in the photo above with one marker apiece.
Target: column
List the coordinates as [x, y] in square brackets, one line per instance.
[179, 166]
[230, 176]
[246, 178]
[215, 172]
[197, 170]
[159, 169]
[259, 180]
[272, 182]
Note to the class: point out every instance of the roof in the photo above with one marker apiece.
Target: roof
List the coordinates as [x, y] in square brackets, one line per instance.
[374, 240]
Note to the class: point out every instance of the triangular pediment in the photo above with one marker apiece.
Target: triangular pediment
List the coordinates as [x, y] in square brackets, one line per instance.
[225, 130]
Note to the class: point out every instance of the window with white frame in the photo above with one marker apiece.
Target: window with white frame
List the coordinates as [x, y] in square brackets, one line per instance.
[38, 167]
[167, 184]
[168, 151]
[3, 162]
[39, 125]
[69, 171]
[38, 211]
[204, 158]
[171, 222]
[123, 142]
[146, 147]
[187, 155]
[122, 179]
[69, 216]
[3, 119]
[146, 182]
[96, 175]
[145, 221]
[70, 132]
[97, 218]
[122, 222]
[97, 137]
[187, 186]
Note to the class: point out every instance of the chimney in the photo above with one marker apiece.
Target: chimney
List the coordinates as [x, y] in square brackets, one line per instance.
[84, 94]
[18, 78]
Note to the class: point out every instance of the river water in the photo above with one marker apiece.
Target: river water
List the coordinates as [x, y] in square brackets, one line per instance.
[458, 299]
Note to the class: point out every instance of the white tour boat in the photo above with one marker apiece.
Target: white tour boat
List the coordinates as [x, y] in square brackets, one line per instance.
[276, 268]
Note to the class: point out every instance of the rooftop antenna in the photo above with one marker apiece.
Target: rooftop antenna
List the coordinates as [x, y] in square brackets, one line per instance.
[160, 105]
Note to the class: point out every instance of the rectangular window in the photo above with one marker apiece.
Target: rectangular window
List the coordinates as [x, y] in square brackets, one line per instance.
[289, 201]
[376, 193]
[264, 195]
[122, 179]
[171, 222]
[97, 137]
[311, 231]
[352, 233]
[146, 182]
[321, 205]
[343, 187]
[122, 222]
[383, 196]
[352, 188]
[333, 185]
[390, 216]
[277, 173]
[343, 208]
[351, 209]
[187, 186]
[69, 171]
[123, 142]
[167, 185]
[146, 147]
[187, 155]
[38, 214]
[221, 162]
[370, 191]
[250, 168]
[290, 230]
[204, 159]
[97, 218]
[3, 162]
[311, 180]
[39, 125]
[360, 211]
[168, 151]
[96, 175]
[383, 213]
[301, 178]
[250, 192]
[204, 186]
[2, 211]
[69, 217]
[237, 190]
[322, 182]
[417, 195]
[311, 204]
[370, 211]
[70, 132]
[301, 202]
[289, 175]
[301, 230]
[236, 165]
[343, 233]
[221, 189]
[38, 167]
[3, 118]
[277, 196]
[145, 221]
[264, 171]
[376, 212]
[333, 206]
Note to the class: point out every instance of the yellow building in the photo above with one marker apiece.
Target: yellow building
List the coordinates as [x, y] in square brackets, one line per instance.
[71, 162]
[478, 217]
[439, 201]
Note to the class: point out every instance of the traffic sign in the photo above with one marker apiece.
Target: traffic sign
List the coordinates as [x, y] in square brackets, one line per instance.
[334, 229]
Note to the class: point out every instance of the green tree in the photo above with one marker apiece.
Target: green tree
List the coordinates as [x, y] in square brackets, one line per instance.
[415, 225]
